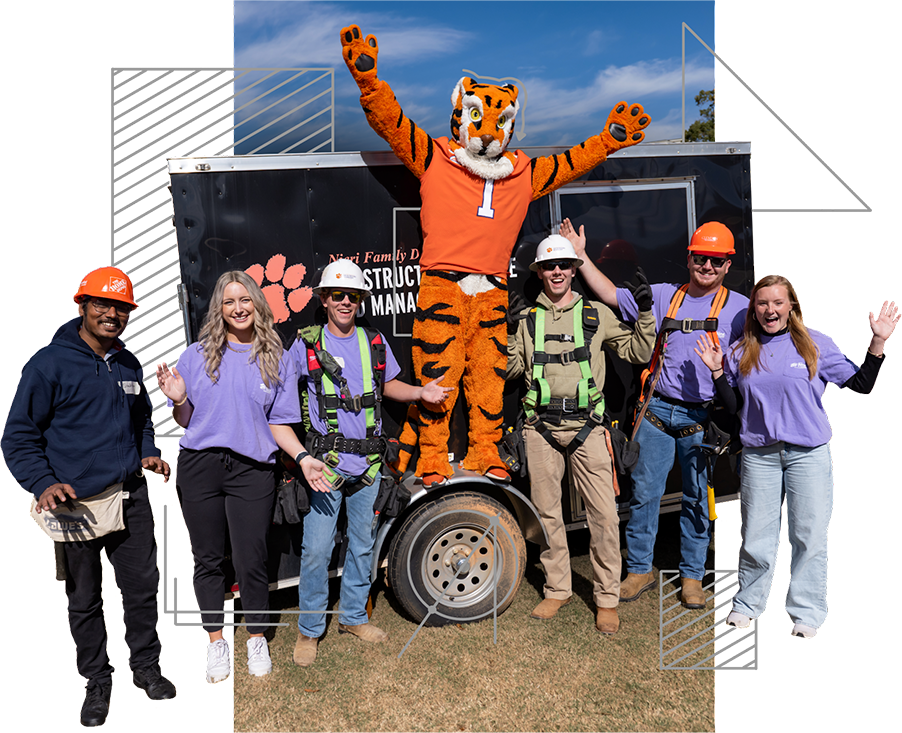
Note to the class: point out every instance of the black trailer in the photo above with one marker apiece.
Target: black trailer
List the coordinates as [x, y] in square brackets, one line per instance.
[458, 549]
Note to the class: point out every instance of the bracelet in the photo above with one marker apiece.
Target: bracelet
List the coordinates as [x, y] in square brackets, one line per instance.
[300, 457]
[716, 370]
[179, 404]
[876, 356]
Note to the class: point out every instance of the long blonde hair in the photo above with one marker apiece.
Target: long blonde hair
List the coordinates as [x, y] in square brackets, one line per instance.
[266, 346]
[750, 343]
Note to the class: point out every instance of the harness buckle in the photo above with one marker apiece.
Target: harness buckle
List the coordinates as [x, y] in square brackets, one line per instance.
[531, 419]
[357, 402]
[596, 418]
[566, 357]
[686, 325]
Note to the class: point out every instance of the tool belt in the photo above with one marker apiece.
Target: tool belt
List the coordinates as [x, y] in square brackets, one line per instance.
[380, 446]
[684, 432]
[379, 450]
[78, 520]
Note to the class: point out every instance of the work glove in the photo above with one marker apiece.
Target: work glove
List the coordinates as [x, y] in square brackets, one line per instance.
[642, 292]
[515, 304]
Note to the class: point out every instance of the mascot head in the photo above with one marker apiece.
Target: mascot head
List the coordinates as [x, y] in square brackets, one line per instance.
[482, 123]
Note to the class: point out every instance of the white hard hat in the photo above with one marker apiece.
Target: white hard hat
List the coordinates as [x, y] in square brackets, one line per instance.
[342, 274]
[555, 247]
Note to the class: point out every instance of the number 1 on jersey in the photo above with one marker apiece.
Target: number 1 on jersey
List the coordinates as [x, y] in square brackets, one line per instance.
[486, 209]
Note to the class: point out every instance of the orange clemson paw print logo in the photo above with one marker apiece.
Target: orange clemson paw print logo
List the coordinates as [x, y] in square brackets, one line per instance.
[284, 292]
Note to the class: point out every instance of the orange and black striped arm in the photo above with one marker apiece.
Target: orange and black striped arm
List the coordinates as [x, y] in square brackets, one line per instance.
[624, 127]
[410, 143]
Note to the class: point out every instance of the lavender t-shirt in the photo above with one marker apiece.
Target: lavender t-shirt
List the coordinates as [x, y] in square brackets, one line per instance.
[684, 376]
[780, 403]
[238, 409]
[346, 352]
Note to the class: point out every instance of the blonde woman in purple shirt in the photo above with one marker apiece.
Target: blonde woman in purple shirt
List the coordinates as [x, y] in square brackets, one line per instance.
[775, 377]
[235, 393]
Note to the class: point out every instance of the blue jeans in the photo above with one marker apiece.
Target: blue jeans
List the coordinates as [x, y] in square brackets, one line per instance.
[316, 551]
[649, 480]
[805, 477]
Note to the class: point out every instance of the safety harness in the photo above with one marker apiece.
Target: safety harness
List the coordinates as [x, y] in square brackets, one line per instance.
[588, 404]
[332, 395]
[669, 324]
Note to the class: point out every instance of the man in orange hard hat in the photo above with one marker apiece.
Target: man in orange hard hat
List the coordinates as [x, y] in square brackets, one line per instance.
[80, 427]
[678, 411]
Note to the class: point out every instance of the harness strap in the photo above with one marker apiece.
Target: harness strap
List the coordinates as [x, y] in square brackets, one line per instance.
[326, 373]
[539, 406]
[669, 324]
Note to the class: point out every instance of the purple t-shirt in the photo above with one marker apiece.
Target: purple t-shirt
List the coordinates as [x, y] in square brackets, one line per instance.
[346, 352]
[780, 403]
[238, 409]
[684, 376]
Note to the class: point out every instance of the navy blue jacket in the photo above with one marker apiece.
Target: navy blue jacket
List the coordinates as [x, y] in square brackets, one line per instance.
[77, 419]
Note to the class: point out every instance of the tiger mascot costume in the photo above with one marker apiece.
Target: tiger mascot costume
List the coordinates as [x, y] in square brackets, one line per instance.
[475, 194]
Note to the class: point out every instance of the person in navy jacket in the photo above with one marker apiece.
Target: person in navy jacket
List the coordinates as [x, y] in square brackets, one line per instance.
[79, 423]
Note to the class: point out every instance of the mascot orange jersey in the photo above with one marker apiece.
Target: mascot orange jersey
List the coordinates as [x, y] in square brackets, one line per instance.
[475, 193]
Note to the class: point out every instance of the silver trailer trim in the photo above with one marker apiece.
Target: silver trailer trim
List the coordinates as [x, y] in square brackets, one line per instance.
[226, 163]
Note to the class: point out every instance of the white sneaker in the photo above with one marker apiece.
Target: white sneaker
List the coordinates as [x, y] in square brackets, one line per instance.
[739, 620]
[258, 661]
[806, 632]
[218, 666]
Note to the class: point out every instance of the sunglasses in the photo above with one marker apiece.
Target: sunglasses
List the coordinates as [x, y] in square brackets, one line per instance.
[563, 264]
[340, 295]
[716, 262]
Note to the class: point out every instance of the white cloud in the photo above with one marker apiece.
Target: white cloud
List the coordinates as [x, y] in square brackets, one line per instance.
[594, 43]
[312, 39]
[550, 100]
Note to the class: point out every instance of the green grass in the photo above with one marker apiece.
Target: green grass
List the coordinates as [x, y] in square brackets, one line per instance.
[556, 675]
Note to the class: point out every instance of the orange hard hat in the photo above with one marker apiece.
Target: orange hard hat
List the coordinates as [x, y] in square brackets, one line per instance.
[106, 282]
[712, 238]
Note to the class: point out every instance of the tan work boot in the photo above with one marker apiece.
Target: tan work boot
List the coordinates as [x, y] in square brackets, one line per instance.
[305, 650]
[367, 632]
[635, 584]
[606, 620]
[548, 608]
[691, 593]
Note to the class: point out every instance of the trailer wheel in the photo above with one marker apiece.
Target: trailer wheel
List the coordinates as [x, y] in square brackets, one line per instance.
[457, 559]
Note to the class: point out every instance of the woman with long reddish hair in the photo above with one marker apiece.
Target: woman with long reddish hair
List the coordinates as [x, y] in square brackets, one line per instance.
[775, 377]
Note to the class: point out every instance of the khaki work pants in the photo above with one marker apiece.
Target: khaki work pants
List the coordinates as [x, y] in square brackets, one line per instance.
[591, 467]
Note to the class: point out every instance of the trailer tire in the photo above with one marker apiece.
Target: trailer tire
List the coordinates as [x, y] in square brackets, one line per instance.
[457, 559]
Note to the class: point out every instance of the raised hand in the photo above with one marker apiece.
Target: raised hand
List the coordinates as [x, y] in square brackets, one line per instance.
[577, 240]
[171, 383]
[515, 304]
[711, 353]
[625, 125]
[434, 393]
[360, 54]
[642, 292]
[883, 326]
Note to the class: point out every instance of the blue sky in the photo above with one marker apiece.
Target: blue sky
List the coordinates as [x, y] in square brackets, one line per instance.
[574, 60]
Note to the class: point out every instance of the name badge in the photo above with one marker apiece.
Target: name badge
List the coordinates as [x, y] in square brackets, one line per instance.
[130, 387]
